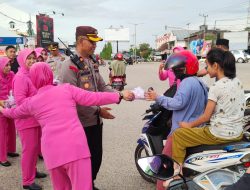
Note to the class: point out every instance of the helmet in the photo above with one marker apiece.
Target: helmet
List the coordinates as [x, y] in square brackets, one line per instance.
[185, 61]
[119, 56]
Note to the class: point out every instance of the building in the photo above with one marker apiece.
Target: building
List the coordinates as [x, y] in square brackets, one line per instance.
[174, 38]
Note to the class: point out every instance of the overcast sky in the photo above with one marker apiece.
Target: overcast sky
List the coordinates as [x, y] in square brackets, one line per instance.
[153, 15]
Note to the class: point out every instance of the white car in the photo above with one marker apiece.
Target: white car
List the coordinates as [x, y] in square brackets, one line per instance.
[240, 56]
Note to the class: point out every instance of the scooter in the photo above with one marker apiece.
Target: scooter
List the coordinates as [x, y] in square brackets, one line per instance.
[118, 83]
[199, 159]
[162, 167]
[247, 97]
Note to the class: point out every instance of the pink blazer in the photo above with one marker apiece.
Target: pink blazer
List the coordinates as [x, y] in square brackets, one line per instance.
[163, 75]
[23, 88]
[54, 107]
[5, 80]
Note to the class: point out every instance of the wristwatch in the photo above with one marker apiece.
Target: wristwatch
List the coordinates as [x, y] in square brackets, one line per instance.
[121, 97]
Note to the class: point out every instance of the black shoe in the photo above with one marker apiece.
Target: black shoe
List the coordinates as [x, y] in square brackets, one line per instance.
[40, 157]
[33, 186]
[13, 154]
[40, 175]
[5, 164]
[95, 188]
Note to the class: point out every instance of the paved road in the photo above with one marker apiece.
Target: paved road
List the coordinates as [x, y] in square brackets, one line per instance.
[118, 171]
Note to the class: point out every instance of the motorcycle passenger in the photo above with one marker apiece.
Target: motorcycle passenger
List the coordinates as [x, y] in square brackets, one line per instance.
[225, 109]
[169, 74]
[190, 99]
[118, 68]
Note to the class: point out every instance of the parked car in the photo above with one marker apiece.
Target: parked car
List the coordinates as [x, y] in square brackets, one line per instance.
[240, 56]
[157, 56]
[127, 57]
[247, 53]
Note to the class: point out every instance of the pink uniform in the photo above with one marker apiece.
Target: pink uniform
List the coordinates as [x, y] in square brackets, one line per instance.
[7, 127]
[64, 145]
[28, 127]
[163, 75]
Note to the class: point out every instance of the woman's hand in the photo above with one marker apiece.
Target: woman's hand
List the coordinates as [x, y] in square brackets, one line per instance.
[128, 95]
[151, 95]
[2, 103]
[185, 125]
[1, 109]
[162, 65]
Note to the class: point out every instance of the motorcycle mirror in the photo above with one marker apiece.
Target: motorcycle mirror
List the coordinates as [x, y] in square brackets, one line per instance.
[150, 89]
[158, 166]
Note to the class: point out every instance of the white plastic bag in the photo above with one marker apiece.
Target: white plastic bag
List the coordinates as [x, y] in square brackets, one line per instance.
[10, 102]
[139, 93]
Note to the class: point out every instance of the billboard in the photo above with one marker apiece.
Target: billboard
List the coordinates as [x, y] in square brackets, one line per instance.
[44, 30]
[116, 34]
[237, 40]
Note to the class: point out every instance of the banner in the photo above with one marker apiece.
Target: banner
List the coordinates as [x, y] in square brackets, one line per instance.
[44, 30]
[11, 40]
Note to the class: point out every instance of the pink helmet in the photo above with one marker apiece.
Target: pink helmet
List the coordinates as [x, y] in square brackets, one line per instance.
[119, 56]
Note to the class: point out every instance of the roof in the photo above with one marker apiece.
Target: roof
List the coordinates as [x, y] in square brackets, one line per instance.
[181, 34]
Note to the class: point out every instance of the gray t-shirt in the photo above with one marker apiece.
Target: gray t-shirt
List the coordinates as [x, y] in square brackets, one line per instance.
[227, 119]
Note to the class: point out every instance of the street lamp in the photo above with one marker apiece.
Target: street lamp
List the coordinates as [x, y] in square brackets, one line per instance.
[135, 25]
[12, 24]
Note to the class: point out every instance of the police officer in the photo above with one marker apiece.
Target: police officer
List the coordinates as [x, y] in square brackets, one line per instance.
[89, 79]
[56, 59]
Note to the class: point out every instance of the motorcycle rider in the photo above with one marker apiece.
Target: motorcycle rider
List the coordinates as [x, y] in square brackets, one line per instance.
[224, 110]
[190, 99]
[117, 68]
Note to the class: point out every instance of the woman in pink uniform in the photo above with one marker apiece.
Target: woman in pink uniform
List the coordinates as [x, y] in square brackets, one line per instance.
[7, 126]
[64, 145]
[42, 54]
[28, 128]
[169, 74]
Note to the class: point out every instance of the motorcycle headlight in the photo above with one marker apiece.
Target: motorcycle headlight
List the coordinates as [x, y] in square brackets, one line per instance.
[245, 159]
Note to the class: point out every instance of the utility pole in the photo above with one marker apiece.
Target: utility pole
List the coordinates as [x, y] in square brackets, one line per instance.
[135, 25]
[188, 33]
[248, 15]
[205, 20]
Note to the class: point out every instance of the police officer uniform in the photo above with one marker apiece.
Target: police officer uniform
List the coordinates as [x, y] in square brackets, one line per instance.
[89, 79]
[55, 62]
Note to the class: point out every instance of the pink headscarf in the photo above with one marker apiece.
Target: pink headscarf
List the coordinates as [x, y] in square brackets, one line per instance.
[41, 75]
[22, 56]
[39, 51]
[179, 48]
[6, 79]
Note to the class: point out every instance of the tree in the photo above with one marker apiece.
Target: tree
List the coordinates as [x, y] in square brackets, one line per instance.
[106, 51]
[145, 50]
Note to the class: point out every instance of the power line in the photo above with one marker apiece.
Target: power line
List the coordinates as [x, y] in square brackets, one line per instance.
[11, 18]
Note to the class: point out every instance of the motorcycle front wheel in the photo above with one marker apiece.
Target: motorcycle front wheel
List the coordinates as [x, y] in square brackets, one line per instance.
[141, 152]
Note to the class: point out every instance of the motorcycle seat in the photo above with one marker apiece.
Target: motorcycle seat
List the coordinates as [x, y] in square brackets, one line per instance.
[232, 146]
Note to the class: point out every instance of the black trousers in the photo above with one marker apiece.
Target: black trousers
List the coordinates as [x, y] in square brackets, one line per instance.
[94, 137]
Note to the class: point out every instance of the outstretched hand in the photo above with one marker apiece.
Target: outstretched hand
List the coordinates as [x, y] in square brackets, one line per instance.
[128, 95]
[151, 95]
[105, 114]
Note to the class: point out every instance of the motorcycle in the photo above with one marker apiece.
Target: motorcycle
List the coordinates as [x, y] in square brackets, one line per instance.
[247, 97]
[198, 159]
[162, 167]
[118, 83]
